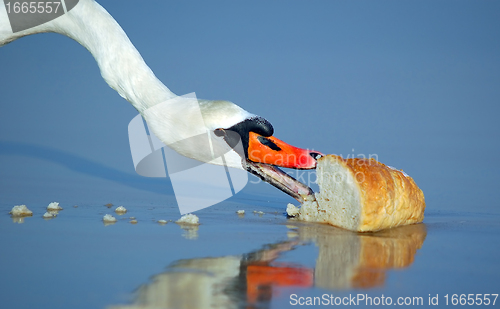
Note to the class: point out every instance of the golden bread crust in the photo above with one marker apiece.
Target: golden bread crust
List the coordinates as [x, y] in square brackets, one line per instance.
[387, 197]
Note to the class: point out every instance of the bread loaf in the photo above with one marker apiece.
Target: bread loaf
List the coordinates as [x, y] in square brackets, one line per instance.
[363, 195]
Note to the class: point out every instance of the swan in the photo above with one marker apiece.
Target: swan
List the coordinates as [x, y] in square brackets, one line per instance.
[172, 120]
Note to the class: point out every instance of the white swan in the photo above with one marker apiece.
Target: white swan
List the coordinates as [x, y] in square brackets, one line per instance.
[123, 68]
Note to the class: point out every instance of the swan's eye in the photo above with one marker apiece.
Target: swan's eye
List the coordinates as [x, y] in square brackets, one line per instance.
[219, 132]
[267, 142]
[231, 138]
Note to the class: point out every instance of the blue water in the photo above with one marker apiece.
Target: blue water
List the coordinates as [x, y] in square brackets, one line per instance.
[75, 261]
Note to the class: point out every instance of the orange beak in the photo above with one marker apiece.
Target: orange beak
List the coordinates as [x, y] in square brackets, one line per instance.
[273, 151]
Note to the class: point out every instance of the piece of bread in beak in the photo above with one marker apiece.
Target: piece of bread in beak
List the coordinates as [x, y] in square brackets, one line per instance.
[363, 195]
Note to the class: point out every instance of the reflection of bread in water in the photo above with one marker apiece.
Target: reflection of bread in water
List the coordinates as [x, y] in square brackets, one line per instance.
[394, 248]
[390, 249]
[348, 260]
[363, 195]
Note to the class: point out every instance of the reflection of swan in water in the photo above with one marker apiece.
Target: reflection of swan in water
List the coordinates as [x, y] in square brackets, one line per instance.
[345, 260]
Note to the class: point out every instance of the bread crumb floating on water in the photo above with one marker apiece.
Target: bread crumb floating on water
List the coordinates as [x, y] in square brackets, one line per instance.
[49, 215]
[54, 206]
[162, 222]
[258, 212]
[292, 210]
[109, 205]
[189, 219]
[240, 212]
[21, 211]
[133, 221]
[76, 206]
[109, 219]
[120, 210]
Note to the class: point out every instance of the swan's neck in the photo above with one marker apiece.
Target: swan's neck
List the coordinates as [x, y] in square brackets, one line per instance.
[125, 71]
[120, 63]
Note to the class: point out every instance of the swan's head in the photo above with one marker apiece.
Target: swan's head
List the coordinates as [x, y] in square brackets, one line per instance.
[236, 138]
[260, 146]
[255, 134]
[262, 152]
